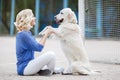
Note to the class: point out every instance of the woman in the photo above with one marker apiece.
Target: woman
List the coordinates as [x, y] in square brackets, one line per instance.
[26, 45]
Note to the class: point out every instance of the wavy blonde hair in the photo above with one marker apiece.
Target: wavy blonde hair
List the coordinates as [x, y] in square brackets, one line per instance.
[23, 19]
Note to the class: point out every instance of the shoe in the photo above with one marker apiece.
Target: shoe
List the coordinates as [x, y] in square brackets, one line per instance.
[58, 71]
[45, 72]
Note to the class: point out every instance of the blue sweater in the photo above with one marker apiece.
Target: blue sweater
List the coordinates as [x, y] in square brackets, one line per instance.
[25, 47]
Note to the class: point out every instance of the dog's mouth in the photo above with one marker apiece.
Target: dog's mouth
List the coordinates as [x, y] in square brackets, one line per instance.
[59, 21]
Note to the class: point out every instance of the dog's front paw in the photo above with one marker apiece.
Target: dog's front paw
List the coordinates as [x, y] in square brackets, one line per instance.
[42, 33]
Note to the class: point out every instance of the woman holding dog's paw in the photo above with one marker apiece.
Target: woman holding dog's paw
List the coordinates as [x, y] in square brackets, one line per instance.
[26, 45]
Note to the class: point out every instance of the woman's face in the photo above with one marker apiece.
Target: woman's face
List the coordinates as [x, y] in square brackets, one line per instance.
[33, 21]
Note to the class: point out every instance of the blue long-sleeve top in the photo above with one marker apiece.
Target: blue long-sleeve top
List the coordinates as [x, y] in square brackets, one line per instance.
[25, 47]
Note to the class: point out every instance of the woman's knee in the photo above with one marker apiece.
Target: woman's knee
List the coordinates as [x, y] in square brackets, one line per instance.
[51, 54]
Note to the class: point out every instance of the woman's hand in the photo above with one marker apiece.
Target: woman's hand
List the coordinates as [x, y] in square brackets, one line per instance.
[49, 30]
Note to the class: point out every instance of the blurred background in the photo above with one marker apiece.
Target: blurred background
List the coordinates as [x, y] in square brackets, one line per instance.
[102, 17]
[44, 10]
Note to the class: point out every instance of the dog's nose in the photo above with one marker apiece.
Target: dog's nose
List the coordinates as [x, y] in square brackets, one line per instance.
[55, 17]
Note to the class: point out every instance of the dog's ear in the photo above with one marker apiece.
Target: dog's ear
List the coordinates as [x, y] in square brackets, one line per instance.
[72, 18]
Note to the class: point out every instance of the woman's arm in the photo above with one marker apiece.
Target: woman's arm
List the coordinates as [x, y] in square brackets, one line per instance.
[43, 39]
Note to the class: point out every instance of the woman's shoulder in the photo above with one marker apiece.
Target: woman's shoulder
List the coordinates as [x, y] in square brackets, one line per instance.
[24, 33]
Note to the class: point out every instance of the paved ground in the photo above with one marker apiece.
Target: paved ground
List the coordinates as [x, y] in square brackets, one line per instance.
[103, 56]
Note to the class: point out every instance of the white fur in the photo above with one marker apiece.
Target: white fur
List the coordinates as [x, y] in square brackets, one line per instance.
[70, 36]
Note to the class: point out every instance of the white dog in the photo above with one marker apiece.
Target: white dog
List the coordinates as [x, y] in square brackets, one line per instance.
[72, 44]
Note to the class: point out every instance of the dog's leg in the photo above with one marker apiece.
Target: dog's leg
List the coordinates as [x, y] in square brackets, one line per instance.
[58, 32]
[79, 68]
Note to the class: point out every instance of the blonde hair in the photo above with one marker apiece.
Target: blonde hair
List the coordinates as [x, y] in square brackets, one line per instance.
[23, 19]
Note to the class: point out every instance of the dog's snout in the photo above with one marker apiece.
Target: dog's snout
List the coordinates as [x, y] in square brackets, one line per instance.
[55, 17]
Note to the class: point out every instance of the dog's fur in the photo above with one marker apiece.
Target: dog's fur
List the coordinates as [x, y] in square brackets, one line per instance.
[70, 35]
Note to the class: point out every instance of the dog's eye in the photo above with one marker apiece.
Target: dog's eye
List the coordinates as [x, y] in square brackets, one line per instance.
[61, 13]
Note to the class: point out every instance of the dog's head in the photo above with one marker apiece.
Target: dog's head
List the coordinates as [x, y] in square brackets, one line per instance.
[66, 15]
